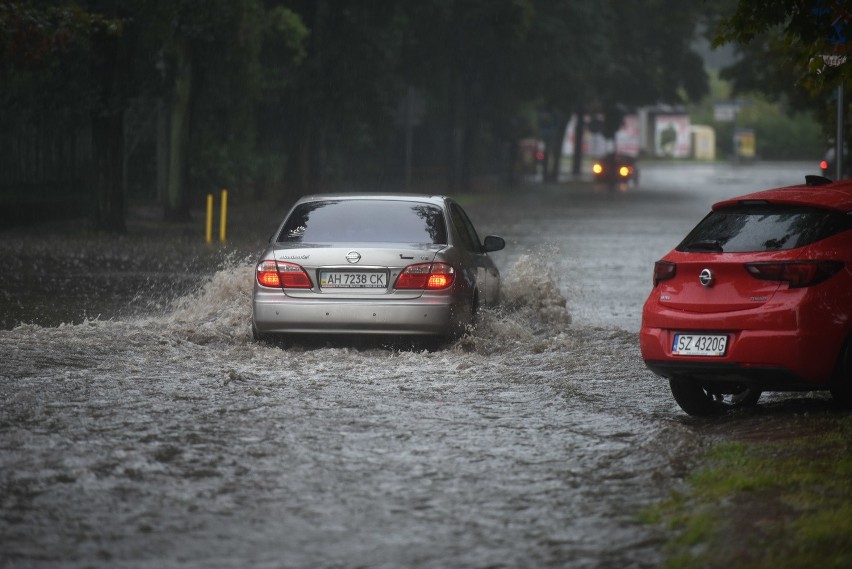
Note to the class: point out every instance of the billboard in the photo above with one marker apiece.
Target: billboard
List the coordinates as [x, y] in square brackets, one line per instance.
[595, 145]
[671, 136]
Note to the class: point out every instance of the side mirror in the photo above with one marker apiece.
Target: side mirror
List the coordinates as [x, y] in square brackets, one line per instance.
[493, 243]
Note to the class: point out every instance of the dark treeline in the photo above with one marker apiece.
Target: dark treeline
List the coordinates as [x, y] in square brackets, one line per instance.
[106, 100]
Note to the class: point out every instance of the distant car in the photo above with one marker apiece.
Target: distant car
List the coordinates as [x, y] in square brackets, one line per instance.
[828, 165]
[757, 297]
[374, 264]
[616, 168]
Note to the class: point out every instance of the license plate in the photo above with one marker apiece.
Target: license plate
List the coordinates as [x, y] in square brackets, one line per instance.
[699, 345]
[353, 279]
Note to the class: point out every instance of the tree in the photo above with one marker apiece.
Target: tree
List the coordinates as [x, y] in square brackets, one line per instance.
[215, 86]
[650, 58]
[40, 48]
[783, 45]
[566, 51]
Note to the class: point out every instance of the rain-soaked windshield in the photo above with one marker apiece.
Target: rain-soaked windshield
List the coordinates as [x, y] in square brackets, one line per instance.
[365, 221]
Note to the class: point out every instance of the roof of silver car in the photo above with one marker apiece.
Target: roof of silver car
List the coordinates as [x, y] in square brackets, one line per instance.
[430, 198]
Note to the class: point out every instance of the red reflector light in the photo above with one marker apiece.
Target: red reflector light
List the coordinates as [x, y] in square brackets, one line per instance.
[663, 271]
[281, 275]
[267, 274]
[427, 276]
[797, 274]
[823, 165]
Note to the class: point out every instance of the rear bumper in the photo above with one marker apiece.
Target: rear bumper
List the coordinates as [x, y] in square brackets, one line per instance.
[776, 346]
[763, 378]
[423, 316]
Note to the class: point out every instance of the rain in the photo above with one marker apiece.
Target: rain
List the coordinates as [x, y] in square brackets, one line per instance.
[156, 433]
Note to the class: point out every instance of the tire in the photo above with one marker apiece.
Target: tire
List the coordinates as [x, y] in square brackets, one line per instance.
[702, 400]
[841, 390]
[260, 338]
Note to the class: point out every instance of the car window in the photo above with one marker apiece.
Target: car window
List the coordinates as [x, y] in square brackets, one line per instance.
[470, 240]
[764, 227]
[365, 221]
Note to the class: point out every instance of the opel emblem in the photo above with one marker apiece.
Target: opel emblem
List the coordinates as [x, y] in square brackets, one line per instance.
[706, 277]
[353, 256]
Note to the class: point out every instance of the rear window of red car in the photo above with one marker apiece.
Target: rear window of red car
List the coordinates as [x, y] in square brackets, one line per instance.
[366, 221]
[763, 227]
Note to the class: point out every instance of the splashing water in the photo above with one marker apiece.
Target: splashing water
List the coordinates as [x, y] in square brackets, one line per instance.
[152, 440]
[220, 311]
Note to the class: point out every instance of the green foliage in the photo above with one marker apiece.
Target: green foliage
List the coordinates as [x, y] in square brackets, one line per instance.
[792, 35]
[781, 131]
[308, 92]
[33, 36]
[284, 24]
[779, 504]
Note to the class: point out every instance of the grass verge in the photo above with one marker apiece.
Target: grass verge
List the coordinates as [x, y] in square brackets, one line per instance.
[776, 504]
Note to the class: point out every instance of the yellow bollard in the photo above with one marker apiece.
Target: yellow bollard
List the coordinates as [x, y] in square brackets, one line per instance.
[224, 217]
[209, 227]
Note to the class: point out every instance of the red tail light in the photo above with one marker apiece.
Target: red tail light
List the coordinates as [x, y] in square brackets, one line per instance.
[823, 165]
[663, 271]
[428, 276]
[275, 274]
[797, 273]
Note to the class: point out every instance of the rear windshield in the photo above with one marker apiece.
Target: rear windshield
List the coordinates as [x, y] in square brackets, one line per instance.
[365, 221]
[764, 227]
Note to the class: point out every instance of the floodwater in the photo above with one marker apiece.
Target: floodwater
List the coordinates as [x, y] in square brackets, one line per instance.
[141, 427]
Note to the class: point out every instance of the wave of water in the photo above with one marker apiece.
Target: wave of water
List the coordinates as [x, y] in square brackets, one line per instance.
[220, 311]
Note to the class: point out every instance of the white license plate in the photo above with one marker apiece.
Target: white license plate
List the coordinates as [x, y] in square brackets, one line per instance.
[699, 345]
[353, 279]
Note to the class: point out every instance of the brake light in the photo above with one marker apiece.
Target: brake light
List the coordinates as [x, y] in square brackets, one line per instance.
[663, 271]
[597, 168]
[275, 274]
[427, 276]
[267, 274]
[797, 274]
[823, 165]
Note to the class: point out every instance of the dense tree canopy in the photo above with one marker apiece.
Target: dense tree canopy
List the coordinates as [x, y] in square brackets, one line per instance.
[284, 97]
[795, 51]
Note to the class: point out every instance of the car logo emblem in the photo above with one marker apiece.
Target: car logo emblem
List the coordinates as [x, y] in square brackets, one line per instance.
[353, 256]
[706, 277]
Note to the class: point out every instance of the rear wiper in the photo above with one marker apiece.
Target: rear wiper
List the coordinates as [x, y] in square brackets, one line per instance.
[706, 245]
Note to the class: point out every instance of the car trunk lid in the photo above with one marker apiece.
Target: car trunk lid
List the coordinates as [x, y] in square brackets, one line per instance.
[713, 285]
[355, 271]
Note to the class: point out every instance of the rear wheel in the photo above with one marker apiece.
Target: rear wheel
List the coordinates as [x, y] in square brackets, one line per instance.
[700, 399]
[841, 391]
[260, 337]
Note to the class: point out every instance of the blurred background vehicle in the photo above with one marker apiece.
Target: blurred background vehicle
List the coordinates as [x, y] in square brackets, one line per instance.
[616, 168]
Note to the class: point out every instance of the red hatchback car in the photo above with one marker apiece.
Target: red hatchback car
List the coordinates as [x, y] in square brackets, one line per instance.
[757, 297]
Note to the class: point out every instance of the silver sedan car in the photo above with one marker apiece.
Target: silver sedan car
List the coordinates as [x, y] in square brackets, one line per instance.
[374, 264]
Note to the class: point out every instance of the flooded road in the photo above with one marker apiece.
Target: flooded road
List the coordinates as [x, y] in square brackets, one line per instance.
[141, 427]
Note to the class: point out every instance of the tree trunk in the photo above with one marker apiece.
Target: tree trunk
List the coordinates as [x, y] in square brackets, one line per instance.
[579, 130]
[554, 149]
[177, 201]
[108, 137]
[455, 133]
